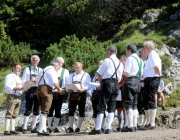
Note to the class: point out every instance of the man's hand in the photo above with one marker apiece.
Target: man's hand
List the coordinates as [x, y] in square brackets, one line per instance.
[81, 90]
[63, 91]
[70, 90]
[99, 88]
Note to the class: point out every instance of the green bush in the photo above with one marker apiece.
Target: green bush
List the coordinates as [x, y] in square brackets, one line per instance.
[86, 51]
[168, 11]
[173, 42]
[174, 100]
[168, 80]
[166, 62]
[10, 53]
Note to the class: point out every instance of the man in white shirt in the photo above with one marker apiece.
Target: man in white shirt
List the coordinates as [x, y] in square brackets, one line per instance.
[63, 75]
[47, 80]
[29, 75]
[13, 90]
[151, 74]
[96, 91]
[109, 75]
[81, 78]
[132, 71]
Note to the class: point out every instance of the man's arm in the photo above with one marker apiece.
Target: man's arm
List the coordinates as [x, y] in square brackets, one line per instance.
[100, 78]
[157, 70]
[60, 90]
[125, 74]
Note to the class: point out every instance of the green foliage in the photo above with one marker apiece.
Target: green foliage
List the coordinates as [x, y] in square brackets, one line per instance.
[174, 100]
[87, 51]
[166, 62]
[168, 80]
[173, 42]
[165, 28]
[10, 53]
[127, 30]
[168, 11]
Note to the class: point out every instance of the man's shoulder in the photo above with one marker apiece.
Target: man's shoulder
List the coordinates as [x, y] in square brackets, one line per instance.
[9, 75]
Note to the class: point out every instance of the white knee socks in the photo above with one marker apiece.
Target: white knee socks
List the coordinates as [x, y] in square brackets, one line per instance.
[147, 116]
[110, 120]
[99, 121]
[71, 121]
[56, 122]
[49, 121]
[34, 121]
[26, 118]
[135, 116]
[81, 119]
[152, 115]
[130, 118]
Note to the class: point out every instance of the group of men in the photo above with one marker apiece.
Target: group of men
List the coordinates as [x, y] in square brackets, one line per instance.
[50, 86]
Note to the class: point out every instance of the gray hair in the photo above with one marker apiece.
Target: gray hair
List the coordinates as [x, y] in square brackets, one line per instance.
[60, 58]
[149, 44]
[112, 49]
[123, 57]
[132, 47]
[101, 61]
[54, 63]
[79, 63]
[35, 56]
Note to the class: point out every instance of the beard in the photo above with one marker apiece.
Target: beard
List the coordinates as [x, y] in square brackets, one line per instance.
[18, 73]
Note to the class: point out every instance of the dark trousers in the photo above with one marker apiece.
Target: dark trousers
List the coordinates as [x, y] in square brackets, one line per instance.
[31, 102]
[131, 90]
[95, 99]
[56, 105]
[141, 101]
[151, 85]
[109, 93]
[77, 99]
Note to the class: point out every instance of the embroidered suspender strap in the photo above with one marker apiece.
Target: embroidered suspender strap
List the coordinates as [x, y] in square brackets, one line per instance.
[30, 72]
[43, 77]
[61, 77]
[115, 68]
[16, 84]
[139, 65]
[81, 79]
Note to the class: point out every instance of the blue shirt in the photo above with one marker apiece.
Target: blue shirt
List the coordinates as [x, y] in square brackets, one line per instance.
[161, 85]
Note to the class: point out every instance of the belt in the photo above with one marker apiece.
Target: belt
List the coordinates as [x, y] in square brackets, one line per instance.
[151, 77]
[131, 77]
[108, 79]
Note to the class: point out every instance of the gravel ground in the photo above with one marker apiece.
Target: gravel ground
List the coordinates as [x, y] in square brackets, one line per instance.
[168, 134]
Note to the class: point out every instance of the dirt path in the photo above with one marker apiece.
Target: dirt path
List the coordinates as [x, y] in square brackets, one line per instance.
[169, 134]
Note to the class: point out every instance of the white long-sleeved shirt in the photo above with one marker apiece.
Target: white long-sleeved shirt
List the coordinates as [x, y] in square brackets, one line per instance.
[11, 81]
[26, 73]
[77, 77]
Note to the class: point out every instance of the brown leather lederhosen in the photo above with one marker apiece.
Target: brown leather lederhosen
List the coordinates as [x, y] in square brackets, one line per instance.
[77, 98]
[44, 95]
[13, 103]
